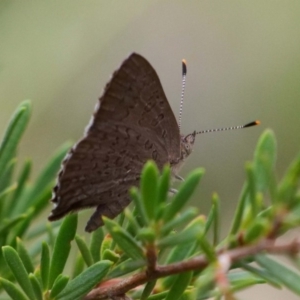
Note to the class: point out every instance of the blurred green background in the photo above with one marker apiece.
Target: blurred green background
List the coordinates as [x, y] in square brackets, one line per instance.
[243, 64]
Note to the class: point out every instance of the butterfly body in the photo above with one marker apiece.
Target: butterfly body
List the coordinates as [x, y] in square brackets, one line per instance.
[132, 123]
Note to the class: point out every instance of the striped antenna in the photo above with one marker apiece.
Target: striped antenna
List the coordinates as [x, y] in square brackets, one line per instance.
[254, 123]
[184, 71]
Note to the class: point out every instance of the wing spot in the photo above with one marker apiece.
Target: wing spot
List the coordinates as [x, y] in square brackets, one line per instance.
[157, 120]
[149, 106]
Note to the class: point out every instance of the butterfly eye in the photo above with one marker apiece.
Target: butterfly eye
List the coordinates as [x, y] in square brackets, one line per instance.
[187, 146]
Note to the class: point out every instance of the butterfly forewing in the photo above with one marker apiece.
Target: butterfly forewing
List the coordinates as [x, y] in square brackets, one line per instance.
[132, 123]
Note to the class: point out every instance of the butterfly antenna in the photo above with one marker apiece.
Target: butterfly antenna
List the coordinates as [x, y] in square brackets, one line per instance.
[184, 71]
[254, 123]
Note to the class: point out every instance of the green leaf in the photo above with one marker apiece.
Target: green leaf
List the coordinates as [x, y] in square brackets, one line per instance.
[126, 267]
[14, 292]
[256, 230]
[6, 182]
[163, 192]
[96, 241]
[181, 252]
[191, 233]
[264, 161]
[290, 184]
[206, 282]
[7, 191]
[241, 280]
[24, 256]
[149, 188]
[37, 274]
[8, 224]
[84, 250]
[111, 256]
[51, 234]
[106, 244]
[293, 218]
[44, 179]
[216, 209]
[37, 289]
[13, 134]
[179, 286]
[164, 185]
[267, 213]
[189, 214]
[62, 247]
[264, 274]
[139, 207]
[248, 218]
[78, 267]
[132, 223]
[42, 201]
[22, 179]
[120, 218]
[147, 235]
[284, 275]
[186, 190]
[208, 249]
[239, 212]
[58, 286]
[35, 247]
[214, 217]
[148, 290]
[158, 296]
[41, 228]
[23, 225]
[5, 196]
[45, 265]
[84, 282]
[252, 190]
[16, 266]
[126, 242]
[188, 294]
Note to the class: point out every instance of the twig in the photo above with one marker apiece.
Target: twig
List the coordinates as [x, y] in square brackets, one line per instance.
[196, 263]
[151, 259]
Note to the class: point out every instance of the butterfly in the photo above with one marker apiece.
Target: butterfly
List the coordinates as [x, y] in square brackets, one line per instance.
[132, 123]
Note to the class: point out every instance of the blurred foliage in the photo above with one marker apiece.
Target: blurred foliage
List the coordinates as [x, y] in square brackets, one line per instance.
[156, 231]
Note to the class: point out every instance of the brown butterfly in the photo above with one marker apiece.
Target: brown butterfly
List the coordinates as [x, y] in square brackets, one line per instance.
[132, 123]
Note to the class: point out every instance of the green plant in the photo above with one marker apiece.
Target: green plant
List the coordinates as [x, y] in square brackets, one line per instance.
[158, 250]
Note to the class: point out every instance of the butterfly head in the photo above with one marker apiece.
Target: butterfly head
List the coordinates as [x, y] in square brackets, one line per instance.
[187, 144]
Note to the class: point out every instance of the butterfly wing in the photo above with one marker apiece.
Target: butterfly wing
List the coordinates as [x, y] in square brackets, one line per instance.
[133, 122]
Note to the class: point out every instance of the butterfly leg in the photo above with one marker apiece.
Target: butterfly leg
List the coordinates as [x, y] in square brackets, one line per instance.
[179, 177]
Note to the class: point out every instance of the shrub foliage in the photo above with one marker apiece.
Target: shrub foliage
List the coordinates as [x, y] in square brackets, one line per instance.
[161, 249]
